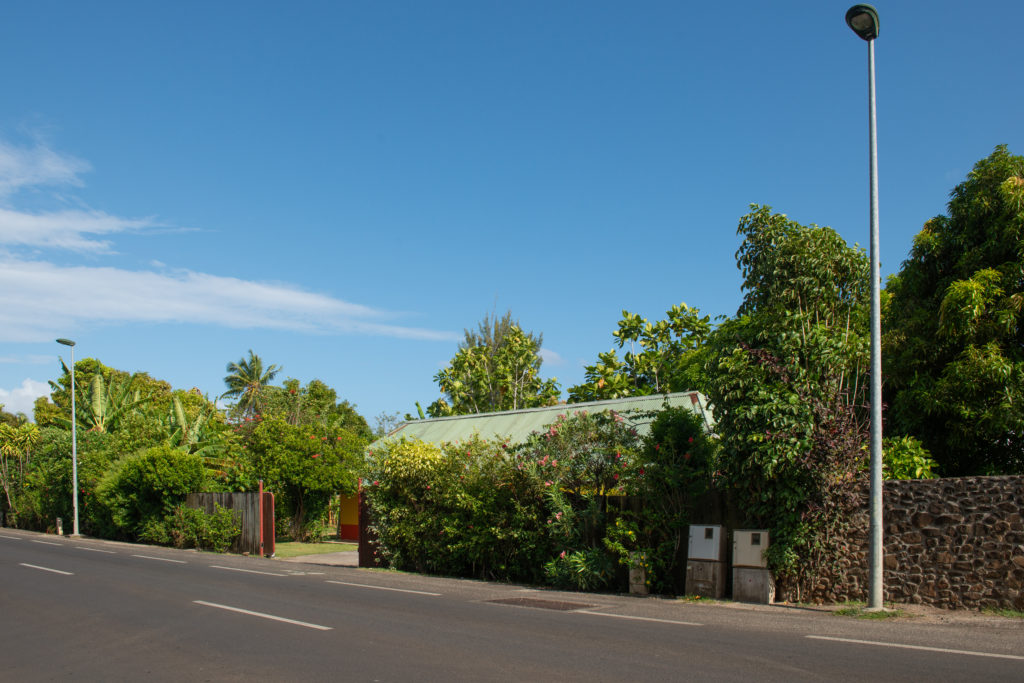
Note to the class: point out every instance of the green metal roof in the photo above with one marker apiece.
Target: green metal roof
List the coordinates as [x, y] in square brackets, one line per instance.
[517, 425]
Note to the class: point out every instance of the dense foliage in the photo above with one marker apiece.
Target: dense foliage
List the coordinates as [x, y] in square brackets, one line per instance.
[463, 509]
[954, 338]
[305, 467]
[789, 388]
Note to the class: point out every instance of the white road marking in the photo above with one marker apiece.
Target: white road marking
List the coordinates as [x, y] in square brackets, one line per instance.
[623, 616]
[264, 616]
[45, 542]
[46, 569]
[11, 538]
[918, 647]
[384, 588]
[95, 550]
[247, 571]
[160, 559]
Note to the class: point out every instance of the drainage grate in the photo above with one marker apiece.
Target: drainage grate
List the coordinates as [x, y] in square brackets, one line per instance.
[542, 604]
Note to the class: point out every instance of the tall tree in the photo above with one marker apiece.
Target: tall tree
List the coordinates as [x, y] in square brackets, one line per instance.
[954, 339]
[246, 381]
[497, 367]
[789, 386]
[662, 357]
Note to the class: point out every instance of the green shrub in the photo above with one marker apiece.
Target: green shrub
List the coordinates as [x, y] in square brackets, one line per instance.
[583, 460]
[904, 457]
[194, 528]
[585, 570]
[464, 510]
[140, 490]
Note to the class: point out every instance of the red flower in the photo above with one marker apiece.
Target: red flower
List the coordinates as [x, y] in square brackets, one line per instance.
[616, 475]
[686, 456]
[690, 440]
[641, 471]
[315, 455]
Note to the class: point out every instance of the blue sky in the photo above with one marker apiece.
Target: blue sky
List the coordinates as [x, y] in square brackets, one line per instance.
[343, 187]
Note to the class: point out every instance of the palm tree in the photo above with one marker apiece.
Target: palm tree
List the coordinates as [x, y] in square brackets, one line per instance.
[246, 381]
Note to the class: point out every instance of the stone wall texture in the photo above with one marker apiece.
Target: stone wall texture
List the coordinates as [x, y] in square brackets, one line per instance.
[953, 543]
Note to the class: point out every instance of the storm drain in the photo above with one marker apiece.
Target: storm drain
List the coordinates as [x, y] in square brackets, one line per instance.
[538, 603]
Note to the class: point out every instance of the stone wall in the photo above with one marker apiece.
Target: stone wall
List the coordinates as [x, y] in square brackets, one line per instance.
[954, 543]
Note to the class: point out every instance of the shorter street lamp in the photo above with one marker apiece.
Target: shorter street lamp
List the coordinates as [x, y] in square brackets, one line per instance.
[74, 443]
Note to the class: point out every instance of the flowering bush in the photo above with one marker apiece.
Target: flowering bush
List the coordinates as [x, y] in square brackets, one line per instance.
[583, 459]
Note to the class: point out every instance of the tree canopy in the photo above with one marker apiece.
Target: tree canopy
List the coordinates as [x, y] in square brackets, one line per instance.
[246, 381]
[954, 342]
[497, 367]
[664, 356]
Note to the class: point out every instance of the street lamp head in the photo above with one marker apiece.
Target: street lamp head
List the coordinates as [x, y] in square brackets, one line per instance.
[863, 19]
[65, 342]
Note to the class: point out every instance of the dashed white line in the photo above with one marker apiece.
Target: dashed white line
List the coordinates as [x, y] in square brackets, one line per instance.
[160, 559]
[247, 571]
[45, 542]
[624, 616]
[47, 569]
[384, 588]
[972, 653]
[95, 550]
[264, 616]
[11, 538]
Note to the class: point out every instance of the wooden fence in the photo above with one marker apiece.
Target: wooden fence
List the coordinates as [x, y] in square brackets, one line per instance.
[246, 507]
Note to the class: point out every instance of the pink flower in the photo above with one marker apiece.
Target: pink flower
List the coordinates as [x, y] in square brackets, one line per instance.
[562, 554]
[547, 483]
[428, 487]
[554, 463]
[558, 515]
[657, 446]
[376, 483]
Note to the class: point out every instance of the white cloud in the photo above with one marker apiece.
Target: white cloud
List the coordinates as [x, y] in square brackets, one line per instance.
[63, 229]
[21, 400]
[38, 165]
[550, 357]
[43, 299]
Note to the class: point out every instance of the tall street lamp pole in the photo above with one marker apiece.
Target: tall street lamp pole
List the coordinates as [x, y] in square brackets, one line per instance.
[863, 19]
[74, 440]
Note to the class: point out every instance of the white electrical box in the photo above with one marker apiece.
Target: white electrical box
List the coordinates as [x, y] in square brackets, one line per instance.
[707, 542]
[748, 546]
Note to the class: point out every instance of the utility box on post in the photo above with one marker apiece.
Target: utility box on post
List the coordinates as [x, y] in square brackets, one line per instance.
[751, 580]
[705, 565]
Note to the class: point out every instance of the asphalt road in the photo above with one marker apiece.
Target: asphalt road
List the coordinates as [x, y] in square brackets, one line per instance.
[85, 609]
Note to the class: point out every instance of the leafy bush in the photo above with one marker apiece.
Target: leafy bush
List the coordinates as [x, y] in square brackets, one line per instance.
[463, 509]
[905, 457]
[585, 570]
[584, 460]
[141, 489]
[193, 528]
